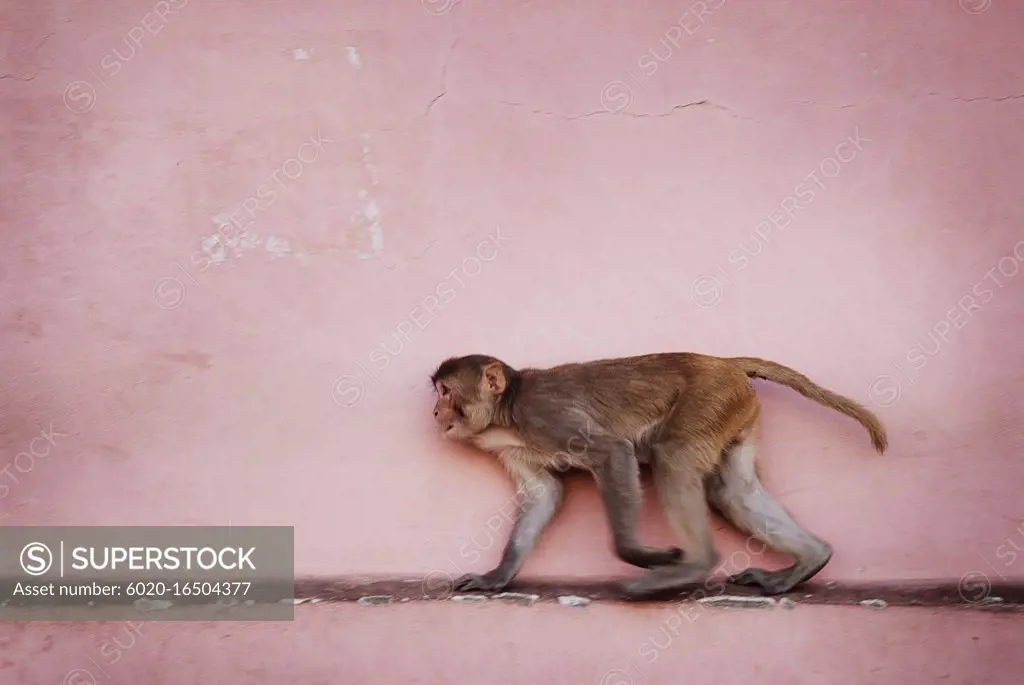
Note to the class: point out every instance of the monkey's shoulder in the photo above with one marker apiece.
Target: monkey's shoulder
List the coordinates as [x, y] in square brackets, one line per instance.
[510, 447]
[497, 440]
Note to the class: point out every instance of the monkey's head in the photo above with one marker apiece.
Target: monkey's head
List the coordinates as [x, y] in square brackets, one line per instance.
[469, 391]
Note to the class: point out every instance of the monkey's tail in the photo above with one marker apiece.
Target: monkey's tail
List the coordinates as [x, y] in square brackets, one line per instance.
[777, 373]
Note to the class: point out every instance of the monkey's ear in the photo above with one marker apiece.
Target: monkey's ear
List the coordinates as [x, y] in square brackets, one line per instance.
[494, 380]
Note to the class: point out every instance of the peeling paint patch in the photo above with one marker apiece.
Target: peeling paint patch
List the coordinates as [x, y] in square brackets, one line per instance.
[874, 603]
[230, 241]
[213, 248]
[369, 216]
[469, 599]
[227, 237]
[787, 603]
[277, 246]
[367, 164]
[372, 214]
[370, 244]
[219, 246]
[375, 600]
[353, 57]
[301, 54]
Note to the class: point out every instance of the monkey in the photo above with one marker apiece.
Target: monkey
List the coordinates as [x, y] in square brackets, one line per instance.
[692, 418]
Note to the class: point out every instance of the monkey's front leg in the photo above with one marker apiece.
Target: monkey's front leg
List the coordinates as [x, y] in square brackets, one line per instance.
[540, 494]
[618, 478]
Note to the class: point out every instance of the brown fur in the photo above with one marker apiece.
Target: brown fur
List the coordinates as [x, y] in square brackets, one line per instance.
[692, 417]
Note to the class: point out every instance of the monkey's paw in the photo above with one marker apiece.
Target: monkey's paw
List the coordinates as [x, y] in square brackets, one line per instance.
[487, 582]
[650, 557]
[771, 583]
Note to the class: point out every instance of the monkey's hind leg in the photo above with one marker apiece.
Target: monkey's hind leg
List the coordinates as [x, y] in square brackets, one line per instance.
[681, 493]
[736, 492]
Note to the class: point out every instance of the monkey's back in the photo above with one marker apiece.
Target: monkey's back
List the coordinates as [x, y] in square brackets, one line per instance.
[632, 396]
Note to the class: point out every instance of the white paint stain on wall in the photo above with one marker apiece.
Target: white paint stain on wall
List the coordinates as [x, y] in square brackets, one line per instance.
[371, 243]
[370, 169]
[301, 54]
[353, 57]
[230, 240]
[277, 246]
[370, 215]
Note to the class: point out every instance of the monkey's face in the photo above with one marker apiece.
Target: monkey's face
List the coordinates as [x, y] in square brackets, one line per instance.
[460, 411]
[469, 392]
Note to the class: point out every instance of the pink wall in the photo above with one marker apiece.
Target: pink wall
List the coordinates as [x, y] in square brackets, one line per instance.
[642, 206]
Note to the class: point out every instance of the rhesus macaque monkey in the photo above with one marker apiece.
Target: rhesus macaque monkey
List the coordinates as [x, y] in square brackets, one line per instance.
[691, 417]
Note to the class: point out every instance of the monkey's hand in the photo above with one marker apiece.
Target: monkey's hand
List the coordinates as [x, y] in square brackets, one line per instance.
[492, 580]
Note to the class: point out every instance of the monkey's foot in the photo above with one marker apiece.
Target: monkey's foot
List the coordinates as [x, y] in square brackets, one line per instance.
[649, 557]
[664, 578]
[487, 582]
[775, 582]
[770, 582]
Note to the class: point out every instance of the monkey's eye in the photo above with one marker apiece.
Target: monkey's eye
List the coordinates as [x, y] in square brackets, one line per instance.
[444, 390]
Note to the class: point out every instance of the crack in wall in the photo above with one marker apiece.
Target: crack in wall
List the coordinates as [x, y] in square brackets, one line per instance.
[635, 115]
[444, 77]
[29, 58]
[920, 96]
